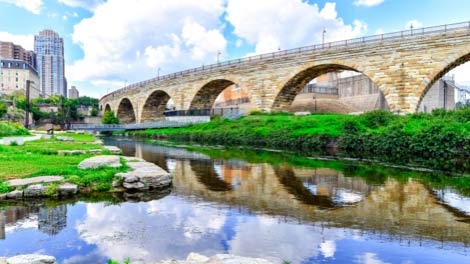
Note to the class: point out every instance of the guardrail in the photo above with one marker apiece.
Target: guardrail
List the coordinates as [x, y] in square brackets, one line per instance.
[411, 33]
[204, 112]
[147, 125]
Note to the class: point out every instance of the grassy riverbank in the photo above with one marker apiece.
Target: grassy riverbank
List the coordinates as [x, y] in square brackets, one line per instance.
[41, 158]
[439, 140]
[12, 129]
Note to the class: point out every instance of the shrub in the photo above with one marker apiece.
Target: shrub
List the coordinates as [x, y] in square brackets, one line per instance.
[110, 118]
[377, 118]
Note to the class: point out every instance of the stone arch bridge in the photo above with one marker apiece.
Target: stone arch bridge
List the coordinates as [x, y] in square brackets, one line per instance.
[404, 65]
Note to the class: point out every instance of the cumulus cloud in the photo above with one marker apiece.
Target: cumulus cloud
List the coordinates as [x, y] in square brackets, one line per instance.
[34, 6]
[86, 4]
[367, 2]
[26, 41]
[171, 35]
[287, 23]
[415, 23]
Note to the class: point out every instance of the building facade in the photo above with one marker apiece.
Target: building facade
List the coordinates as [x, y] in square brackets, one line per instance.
[9, 50]
[49, 47]
[14, 75]
[73, 93]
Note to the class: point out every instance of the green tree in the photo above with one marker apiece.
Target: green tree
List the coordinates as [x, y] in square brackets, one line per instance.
[94, 111]
[3, 108]
[109, 118]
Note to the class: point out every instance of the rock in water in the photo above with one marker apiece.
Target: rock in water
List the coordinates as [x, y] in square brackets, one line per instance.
[32, 259]
[98, 161]
[36, 190]
[67, 189]
[144, 175]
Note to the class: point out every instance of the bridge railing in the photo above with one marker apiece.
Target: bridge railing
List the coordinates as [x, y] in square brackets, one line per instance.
[411, 33]
[204, 112]
[147, 125]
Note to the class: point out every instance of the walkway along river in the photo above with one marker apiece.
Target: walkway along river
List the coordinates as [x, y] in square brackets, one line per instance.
[269, 207]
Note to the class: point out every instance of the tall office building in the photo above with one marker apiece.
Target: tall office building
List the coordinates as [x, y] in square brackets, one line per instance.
[49, 48]
[9, 50]
[73, 93]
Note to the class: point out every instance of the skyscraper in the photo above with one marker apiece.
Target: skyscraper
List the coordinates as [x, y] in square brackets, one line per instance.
[49, 48]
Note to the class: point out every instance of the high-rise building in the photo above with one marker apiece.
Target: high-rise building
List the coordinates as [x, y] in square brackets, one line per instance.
[73, 93]
[9, 50]
[49, 47]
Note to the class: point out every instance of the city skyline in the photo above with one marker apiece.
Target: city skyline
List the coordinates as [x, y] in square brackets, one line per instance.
[103, 54]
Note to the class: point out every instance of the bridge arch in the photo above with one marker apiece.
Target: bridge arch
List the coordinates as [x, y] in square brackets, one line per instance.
[292, 87]
[107, 108]
[125, 112]
[154, 106]
[440, 71]
[205, 96]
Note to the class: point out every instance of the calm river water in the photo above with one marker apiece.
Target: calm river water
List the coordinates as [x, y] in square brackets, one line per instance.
[256, 204]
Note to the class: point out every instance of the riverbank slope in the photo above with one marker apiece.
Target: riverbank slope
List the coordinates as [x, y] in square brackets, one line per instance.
[439, 140]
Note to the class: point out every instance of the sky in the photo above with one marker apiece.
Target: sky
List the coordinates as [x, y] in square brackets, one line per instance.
[109, 44]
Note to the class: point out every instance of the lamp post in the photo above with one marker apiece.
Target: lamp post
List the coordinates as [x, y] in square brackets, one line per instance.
[218, 55]
[323, 36]
[315, 103]
[27, 106]
[411, 29]
[158, 72]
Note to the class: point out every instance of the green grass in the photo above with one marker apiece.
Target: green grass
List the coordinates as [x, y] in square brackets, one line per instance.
[39, 158]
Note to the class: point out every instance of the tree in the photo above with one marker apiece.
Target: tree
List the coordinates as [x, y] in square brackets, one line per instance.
[3, 108]
[94, 111]
[110, 118]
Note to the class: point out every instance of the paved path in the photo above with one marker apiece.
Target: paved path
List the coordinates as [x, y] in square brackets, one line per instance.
[7, 140]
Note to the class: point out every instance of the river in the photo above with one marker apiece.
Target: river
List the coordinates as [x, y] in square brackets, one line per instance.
[257, 204]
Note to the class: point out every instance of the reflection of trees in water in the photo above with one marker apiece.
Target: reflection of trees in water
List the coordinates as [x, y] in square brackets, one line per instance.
[206, 174]
[295, 186]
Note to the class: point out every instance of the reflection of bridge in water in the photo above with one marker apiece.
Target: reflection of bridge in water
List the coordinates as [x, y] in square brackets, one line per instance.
[403, 209]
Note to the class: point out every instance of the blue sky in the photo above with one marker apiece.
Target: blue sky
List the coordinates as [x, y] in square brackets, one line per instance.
[110, 43]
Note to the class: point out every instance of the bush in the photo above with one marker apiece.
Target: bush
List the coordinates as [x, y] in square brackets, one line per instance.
[12, 129]
[377, 118]
[110, 118]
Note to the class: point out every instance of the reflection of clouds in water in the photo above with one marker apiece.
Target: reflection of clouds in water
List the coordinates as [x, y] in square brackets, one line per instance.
[30, 222]
[88, 258]
[173, 229]
[369, 258]
[345, 196]
[171, 164]
[278, 241]
[454, 199]
[328, 248]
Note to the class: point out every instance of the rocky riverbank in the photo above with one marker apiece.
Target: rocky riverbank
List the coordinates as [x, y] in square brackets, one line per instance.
[192, 258]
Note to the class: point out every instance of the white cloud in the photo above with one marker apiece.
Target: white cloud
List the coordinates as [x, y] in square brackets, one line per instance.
[33, 6]
[367, 2]
[172, 35]
[379, 31]
[462, 74]
[86, 4]
[287, 23]
[415, 23]
[26, 41]
[64, 17]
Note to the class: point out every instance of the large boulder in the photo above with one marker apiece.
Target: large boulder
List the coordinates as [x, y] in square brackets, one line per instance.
[36, 190]
[67, 189]
[143, 175]
[114, 150]
[16, 194]
[98, 161]
[34, 180]
[31, 259]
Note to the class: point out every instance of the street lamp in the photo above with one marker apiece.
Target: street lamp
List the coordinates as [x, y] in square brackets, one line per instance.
[158, 72]
[411, 29]
[323, 36]
[315, 103]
